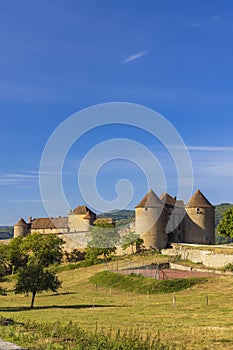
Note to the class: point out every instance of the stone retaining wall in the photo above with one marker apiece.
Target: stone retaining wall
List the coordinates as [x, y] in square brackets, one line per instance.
[208, 258]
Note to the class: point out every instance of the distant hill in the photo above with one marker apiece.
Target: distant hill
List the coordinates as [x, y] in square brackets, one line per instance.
[6, 232]
[122, 217]
[130, 214]
[220, 210]
[118, 214]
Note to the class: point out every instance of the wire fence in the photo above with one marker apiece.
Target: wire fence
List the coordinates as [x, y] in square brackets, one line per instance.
[154, 270]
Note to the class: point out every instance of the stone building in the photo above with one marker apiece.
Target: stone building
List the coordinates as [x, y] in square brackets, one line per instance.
[72, 229]
[163, 220]
[158, 220]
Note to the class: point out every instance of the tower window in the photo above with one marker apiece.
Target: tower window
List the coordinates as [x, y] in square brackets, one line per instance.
[198, 211]
[146, 209]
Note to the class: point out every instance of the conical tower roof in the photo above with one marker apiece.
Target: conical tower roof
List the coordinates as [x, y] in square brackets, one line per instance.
[21, 222]
[150, 200]
[167, 199]
[199, 200]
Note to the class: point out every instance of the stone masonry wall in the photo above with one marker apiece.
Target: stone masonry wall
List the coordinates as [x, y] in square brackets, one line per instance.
[210, 259]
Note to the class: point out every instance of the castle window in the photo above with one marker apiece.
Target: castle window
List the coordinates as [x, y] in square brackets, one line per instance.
[198, 211]
[146, 209]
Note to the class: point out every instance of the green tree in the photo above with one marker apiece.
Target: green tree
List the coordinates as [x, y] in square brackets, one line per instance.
[132, 240]
[225, 226]
[46, 249]
[34, 279]
[16, 253]
[103, 240]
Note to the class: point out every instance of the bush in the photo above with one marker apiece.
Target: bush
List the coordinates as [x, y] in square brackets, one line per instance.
[228, 267]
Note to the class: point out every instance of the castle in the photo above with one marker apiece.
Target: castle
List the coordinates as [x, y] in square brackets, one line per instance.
[158, 221]
[164, 220]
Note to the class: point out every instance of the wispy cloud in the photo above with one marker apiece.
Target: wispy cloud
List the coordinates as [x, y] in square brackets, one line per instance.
[18, 180]
[197, 23]
[216, 18]
[135, 56]
[194, 24]
[210, 148]
[26, 201]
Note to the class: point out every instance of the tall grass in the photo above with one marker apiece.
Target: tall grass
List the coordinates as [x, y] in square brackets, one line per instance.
[70, 336]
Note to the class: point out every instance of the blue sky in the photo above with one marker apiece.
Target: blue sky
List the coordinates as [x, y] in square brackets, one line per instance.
[58, 57]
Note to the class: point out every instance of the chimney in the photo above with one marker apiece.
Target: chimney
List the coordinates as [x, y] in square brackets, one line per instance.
[29, 219]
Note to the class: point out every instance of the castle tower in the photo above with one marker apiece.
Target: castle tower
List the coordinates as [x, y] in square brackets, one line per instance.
[21, 228]
[175, 214]
[151, 221]
[200, 220]
[80, 219]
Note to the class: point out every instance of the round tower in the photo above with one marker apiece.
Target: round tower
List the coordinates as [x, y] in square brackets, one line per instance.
[21, 228]
[151, 221]
[200, 220]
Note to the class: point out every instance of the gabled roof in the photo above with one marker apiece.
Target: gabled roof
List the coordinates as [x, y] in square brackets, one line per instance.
[81, 210]
[21, 222]
[199, 200]
[150, 200]
[167, 199]
[46, 223]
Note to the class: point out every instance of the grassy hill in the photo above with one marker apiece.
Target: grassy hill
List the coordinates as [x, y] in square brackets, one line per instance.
[190, 324]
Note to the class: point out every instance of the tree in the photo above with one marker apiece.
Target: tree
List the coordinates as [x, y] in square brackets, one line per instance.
[16, 253]
[225, 226]
[132, 240]
[103, 240]
[46, 249]
[34, 279]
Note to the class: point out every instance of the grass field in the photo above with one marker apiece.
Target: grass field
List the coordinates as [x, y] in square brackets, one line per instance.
[190, 325]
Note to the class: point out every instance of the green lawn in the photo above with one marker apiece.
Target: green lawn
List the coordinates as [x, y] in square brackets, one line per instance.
[190, 325]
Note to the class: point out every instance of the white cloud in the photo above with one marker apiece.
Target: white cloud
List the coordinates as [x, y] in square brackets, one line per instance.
[17, 179]
[210, 148]
[135, 56]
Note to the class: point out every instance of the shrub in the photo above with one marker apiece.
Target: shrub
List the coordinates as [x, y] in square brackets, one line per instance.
[228, 267]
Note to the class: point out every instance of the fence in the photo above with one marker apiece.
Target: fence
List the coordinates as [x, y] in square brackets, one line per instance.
[138, 268]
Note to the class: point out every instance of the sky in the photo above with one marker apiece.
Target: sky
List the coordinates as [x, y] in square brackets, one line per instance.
[59, 57]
